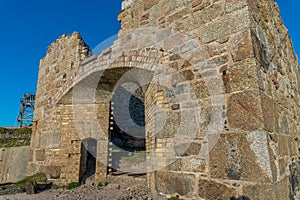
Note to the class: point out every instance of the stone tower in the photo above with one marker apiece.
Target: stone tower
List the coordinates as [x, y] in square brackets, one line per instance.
[222, 115]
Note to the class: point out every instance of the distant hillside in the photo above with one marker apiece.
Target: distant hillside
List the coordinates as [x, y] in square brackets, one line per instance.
[14, 137]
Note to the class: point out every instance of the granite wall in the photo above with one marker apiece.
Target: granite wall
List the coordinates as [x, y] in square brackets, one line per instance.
[221, 103]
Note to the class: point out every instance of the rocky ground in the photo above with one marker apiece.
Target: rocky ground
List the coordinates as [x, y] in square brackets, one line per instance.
[110, 192]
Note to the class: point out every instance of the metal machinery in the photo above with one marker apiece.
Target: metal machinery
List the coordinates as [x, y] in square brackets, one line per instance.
[25, 116]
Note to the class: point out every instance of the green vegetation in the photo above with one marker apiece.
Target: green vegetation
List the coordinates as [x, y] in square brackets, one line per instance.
[101, 185]
[72, 185]
[19, 187]
[17, 131]
[39, 178]
[4, 130]
[12, 142]
[15, 137]
[20, 131]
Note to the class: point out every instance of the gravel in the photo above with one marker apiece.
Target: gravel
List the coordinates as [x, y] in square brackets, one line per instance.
[110, 192]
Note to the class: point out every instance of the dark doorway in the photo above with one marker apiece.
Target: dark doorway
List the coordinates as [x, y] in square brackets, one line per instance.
[88, 159]
[127, 132]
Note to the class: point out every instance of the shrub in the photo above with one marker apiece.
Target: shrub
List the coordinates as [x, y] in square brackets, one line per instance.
[72, 185]
[23, 131]
[3, 130]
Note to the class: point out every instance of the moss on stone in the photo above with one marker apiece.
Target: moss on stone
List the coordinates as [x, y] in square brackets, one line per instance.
[39, 178]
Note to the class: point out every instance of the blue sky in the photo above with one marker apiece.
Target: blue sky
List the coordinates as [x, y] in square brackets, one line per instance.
[28, 27]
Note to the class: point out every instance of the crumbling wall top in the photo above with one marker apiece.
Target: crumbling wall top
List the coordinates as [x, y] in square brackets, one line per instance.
[126, 4]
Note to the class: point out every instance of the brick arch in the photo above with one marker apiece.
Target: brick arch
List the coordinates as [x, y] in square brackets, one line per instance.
[145, 59]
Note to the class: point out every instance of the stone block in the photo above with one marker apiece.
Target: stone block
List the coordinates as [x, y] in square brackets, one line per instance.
[293, 146]
[53, 171]
[40, 154]
[268, 109]
[216, 48]
[281, 120]
[167, 124]
[241, 76]
[260, 52]
[200, 89]
[188, 75]
[197, 165]
[232, 5]
[149, 4]
[283, 191]
[175, 165]
[209, 189]
[294, 179]
[177, 15]
[188, 164]
[51, 139]
[241, 46]
[244, 111]
[242, 154]
[214, 62]
[229, 24]
[273, 157]
[283, 148]
[30, 155]
[209, 13]
[283, 166]
[187, 149]
[170, 183]
[260, 191]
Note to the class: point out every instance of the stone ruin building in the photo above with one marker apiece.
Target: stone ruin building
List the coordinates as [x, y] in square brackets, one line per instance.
[208, 90]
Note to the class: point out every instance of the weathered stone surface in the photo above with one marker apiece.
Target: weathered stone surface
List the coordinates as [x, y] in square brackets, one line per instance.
[211, 190]
[200, 89]
[188, 165]
[40, 154]
[241, 76]
[231, 23]
[193, 165]
[52, 172]
[241, 46]
[171, 183]
[241, 156]
[209, 13]
[216, 48]
[13, 163]
[232, 5]
[170, 123]
[268, 108]
[244, 111]
[260, 191]
[294, 180]
[187, 149]
[51, 139]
